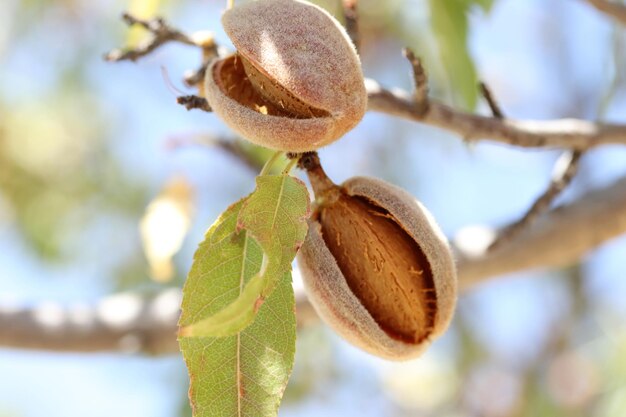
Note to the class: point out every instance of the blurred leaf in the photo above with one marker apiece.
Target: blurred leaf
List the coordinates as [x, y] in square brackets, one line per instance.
[144, 9]
[274, 216]
[449, 23]
[164, 226]
[244, 374]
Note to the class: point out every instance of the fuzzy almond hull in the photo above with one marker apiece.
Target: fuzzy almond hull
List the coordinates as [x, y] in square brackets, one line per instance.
[277, 132]
[332, 298]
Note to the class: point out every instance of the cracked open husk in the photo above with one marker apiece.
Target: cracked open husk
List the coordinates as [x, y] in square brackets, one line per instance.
[377, 268]
[295, 83]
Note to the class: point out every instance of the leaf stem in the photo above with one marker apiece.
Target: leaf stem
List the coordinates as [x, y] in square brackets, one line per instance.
[270, 162]
[292, 163]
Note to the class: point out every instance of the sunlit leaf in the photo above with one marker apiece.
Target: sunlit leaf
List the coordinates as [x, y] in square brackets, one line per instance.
[274, 216]
[164, 227]
[244, 374]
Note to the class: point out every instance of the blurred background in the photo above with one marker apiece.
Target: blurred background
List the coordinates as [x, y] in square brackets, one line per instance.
[92, 153]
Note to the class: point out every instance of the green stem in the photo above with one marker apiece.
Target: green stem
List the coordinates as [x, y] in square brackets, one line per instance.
[290, 166]
[270, 162]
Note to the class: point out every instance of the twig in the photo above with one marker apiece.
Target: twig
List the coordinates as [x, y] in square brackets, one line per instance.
[611, 8]
[194, 102]
[162, 33]
[420, 80]
[564, 171]
[351, 15]
[196, 77]
[493, 105]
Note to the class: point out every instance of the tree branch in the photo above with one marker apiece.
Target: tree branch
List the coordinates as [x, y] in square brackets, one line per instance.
[560, 237]
[560, 133]
[420, 95]
[125, 323]
[130, 323]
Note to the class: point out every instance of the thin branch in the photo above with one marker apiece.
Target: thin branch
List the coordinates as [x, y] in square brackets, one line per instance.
[491, 101]
[162, 34]
[420, 80]
[611, 8]
[565, 170]
[351, 15]
[194, 102]
[125, 323]
[560, 133]
[196, 77]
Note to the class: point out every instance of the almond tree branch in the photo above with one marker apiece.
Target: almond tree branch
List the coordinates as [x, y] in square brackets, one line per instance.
[560, 237]
[559, 133]
[124, 323]
[420, 95]
[611, 8]
[131, 323]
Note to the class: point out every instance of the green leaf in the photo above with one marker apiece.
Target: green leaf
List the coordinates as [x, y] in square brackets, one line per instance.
[244, 374]
[449, 22]
[275, 216]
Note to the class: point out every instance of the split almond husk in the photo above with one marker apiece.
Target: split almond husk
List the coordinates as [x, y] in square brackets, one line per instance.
[377, 268]
[295, 82]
